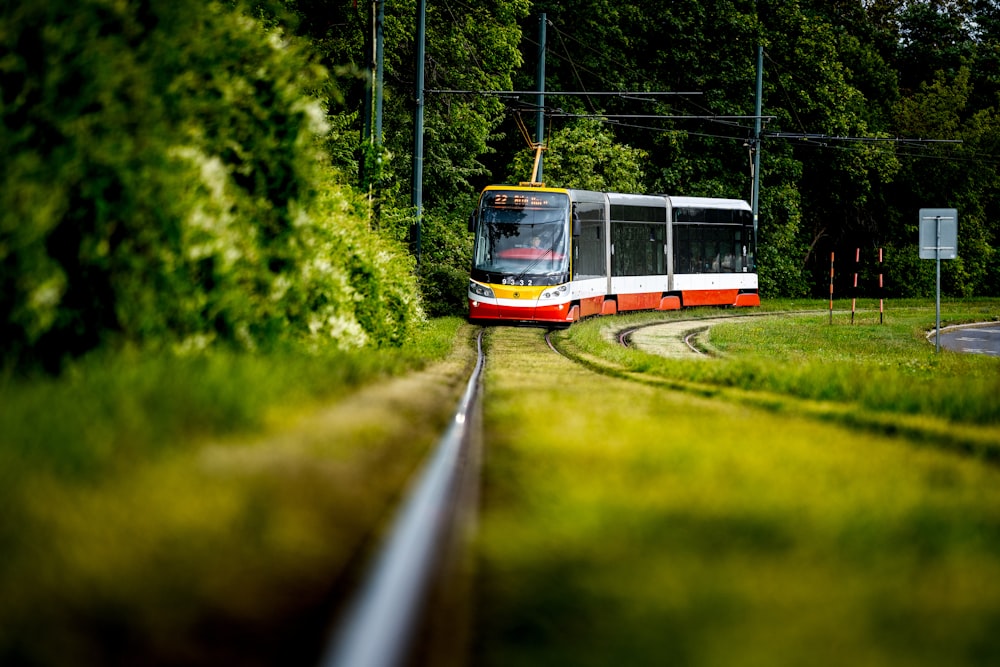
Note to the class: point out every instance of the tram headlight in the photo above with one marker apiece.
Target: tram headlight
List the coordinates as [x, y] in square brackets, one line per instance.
[480, 290]
[556, 293]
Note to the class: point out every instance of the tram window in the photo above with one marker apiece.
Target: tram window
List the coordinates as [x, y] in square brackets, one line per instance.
[589, 258]
[630, 213]
[698, 256]
[733, 257]
[708, 249]
[712, 216]
[638, 249]
[682, 258]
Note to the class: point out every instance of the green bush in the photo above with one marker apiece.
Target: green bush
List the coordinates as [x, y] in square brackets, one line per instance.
[164, 186]
[444, 291]
[446, 256]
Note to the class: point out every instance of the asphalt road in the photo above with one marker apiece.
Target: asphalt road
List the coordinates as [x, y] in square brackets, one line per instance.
[974, 339]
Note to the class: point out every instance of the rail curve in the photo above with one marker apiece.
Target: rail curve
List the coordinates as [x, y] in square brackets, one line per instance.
[968, 439]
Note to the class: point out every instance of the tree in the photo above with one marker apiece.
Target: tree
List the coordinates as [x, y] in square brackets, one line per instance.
[162, 186]
[584, 155]
[833, 68]
[960, 176]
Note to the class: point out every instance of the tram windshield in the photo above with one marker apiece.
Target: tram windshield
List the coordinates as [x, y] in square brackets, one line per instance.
[522, 237]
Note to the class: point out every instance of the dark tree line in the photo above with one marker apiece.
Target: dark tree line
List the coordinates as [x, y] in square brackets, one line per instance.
[846, 84]
[183, 174]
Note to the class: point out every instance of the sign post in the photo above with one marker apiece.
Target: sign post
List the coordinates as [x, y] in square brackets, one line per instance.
[938, 240]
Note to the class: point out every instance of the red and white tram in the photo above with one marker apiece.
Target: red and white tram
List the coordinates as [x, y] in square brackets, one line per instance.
[554, 255]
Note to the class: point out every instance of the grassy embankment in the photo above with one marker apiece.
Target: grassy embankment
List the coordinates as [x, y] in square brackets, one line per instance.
[202, 510]
[680, 520]
[883, 377]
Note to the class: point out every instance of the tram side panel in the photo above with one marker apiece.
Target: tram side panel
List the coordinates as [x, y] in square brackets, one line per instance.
[639, 260]
[715, 289]
[712, 252]
[590, 253]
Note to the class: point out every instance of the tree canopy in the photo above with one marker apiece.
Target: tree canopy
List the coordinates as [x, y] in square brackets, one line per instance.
[852, 92]
[183, 174]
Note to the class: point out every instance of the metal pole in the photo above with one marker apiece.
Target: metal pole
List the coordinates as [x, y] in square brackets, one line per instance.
[881, 289]
[418, 131]
[379, 79]
[755, 197]
[366, 119]
[937, 253]
[540, 83]
[379, 57]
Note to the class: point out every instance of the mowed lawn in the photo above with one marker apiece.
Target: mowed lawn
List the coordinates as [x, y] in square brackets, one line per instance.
[628, 524]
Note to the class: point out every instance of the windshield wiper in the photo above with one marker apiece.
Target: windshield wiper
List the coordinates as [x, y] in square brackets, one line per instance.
[546, 254]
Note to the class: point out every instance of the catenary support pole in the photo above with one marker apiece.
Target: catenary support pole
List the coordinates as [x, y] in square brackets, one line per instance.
[540, 84]
[366, 110]
[418, 133]
[379, 68]
[755, 197]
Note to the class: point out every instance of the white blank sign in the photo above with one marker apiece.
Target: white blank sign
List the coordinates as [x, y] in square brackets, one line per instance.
[930, 242]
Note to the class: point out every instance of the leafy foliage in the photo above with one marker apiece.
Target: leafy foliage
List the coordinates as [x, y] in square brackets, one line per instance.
[843, 82]
[198, 492]
[584, 155]
[164, 186]
[164, 168]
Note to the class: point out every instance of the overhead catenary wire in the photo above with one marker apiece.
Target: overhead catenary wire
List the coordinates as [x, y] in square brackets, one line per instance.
[814, 139]
[468, 47]
[576, 68]
[803, 138]
[572, 65]
[618, 93]
[902, 141]
[834, 137]
[564, 114]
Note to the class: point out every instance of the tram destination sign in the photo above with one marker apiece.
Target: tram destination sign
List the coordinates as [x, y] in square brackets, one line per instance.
[518, 200]
[938, 233]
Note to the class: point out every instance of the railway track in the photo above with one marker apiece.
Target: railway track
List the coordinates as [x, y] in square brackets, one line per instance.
[612, 495]
[677, 339]
[686, 337]
[384, 624]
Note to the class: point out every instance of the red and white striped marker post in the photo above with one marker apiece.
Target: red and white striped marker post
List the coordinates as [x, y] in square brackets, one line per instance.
[880, 311]
[831, 288]
[854, 295]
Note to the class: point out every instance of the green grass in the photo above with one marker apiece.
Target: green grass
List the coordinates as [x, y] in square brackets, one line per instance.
[629, 523]
[109, 411]
[202, 510]
[887, 367]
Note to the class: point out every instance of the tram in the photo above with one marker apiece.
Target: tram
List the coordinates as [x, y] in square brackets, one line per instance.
[554, 255]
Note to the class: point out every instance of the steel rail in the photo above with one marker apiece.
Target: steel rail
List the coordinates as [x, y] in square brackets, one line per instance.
[687, 340]
[625, 335]
[548, 341]
[379, 626]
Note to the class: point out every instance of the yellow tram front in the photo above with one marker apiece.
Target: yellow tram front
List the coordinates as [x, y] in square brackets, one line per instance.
[521, 258]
